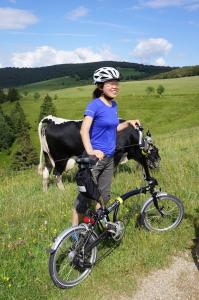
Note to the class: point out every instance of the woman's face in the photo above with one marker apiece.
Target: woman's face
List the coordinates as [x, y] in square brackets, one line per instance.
[111, 88]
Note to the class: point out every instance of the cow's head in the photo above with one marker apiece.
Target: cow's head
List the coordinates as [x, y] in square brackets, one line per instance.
[152, 157]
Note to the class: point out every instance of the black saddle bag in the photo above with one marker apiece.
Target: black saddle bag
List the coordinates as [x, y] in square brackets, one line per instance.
[86, 184]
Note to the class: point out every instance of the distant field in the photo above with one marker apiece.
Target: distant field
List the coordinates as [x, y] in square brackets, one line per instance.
[52, 84]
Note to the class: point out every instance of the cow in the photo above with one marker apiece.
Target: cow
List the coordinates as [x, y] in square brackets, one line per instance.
[60, 142]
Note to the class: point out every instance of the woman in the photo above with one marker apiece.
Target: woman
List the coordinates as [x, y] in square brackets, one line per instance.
[98, 134]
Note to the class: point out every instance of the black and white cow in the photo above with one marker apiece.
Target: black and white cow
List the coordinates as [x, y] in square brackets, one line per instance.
[60, 142]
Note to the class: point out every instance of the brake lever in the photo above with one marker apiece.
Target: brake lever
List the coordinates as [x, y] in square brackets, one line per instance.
[140, 129]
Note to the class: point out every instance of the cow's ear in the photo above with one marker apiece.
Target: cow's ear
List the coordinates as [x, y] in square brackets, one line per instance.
[148, 133]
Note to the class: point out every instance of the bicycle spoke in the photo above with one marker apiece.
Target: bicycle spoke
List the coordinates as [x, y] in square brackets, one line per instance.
[66, 263]
[168, 216]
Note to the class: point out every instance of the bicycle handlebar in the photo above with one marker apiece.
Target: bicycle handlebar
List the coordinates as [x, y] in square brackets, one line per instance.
[90, 160]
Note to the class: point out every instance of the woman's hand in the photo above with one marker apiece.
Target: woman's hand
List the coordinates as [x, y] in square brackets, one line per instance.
[125, 124]
[99, 154]
[134, 123]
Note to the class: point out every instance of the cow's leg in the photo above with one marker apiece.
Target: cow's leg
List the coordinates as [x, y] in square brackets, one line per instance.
[46, 172]
[123, 159]
[59, 182]
[59, 168]
[70, 164]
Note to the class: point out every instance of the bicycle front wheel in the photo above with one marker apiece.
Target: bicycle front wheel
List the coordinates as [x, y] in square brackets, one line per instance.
[168, 216]
[68, 262]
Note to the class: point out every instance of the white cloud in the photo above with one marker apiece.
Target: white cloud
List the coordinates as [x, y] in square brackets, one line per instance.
[160, 61]
[45, 56]
[152, 50]
[77, 13]
[188, 4]
[11, 18]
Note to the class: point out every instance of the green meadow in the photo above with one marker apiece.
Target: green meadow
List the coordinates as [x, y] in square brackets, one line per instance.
[30, 219]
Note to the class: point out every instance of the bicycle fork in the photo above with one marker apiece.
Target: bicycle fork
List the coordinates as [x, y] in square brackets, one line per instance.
[155, 201]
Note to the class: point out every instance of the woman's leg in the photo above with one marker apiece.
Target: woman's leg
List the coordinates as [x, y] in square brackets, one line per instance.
[81, 205]
[103, 172]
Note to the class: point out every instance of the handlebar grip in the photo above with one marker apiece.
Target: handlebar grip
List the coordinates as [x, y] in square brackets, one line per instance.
[92, 160]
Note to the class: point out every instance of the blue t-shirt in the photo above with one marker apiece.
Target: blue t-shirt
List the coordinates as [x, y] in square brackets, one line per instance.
[104, 125]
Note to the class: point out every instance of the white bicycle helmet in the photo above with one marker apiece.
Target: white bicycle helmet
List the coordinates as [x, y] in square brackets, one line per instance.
[105, 74]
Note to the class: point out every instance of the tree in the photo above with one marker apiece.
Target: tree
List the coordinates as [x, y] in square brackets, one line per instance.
[3, 96]
[149, 90]
[7, 135]
[36, 96]
[25, 156]
[47, 108]
[18, 119]
[25, 93]
[160, 89]
[75, 76]
[13, 95]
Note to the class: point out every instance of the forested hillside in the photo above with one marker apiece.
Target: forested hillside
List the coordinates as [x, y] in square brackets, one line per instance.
[12, 77]
[179, 72]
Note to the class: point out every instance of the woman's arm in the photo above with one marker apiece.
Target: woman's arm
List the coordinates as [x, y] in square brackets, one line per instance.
[84, 132]
[125, 124]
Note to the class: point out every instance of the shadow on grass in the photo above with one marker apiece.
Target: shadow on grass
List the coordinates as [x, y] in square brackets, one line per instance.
[195, 247]
[124, 168]
[108, 245]
[68, 177]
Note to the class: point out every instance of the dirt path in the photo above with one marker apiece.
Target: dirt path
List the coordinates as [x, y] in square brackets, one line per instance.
[180, 281]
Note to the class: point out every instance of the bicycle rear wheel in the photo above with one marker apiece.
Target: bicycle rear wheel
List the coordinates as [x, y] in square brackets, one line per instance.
[169, 217]
[68, 262]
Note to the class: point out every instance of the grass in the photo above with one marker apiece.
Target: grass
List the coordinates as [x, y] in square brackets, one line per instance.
[52, 84]
[30, 219]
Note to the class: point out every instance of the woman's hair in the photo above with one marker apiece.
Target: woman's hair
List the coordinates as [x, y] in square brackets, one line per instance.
[98, 91]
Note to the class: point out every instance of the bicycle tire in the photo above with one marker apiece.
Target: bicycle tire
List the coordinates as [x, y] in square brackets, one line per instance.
[63, 270]
[172, 213]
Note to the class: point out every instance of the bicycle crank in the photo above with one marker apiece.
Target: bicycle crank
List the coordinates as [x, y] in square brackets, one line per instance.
[116, 229]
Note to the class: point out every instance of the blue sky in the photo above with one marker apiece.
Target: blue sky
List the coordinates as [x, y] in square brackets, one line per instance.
[41, 33]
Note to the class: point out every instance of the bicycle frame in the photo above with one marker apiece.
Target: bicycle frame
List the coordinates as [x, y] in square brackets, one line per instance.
[104, 212]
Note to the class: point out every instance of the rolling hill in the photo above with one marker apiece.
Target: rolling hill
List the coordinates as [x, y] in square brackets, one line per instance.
[13, 77]
[179, 72]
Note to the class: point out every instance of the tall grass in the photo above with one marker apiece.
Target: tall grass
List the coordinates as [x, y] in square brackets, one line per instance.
[31, 219]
